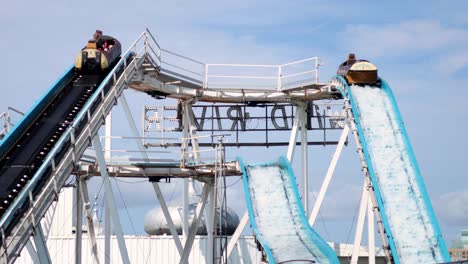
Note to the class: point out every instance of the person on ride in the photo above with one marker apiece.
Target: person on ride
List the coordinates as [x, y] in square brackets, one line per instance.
[98, 38]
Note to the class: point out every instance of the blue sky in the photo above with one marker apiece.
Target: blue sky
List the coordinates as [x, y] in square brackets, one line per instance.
[421, 49]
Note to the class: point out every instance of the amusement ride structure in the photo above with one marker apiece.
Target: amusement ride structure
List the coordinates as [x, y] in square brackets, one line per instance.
[50, 144]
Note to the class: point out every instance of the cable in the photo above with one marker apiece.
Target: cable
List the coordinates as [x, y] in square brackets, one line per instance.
[324, 227]
[170, 199]
[352, 224]
[126, 208]
[130, 182]
[232, 184]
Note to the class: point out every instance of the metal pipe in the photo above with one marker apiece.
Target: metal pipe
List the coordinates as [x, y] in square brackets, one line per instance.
[370, 232]
[299, 61]
[41, 246]
[79, 222]
[89, 220]
[117, 227]
[360, 224]
[195, 222]
[305, 163]
[183, 57]
[244, 65]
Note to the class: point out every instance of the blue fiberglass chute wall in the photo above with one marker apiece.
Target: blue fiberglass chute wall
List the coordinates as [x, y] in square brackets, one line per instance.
[323, 251]
[346, 91]
[7, 142]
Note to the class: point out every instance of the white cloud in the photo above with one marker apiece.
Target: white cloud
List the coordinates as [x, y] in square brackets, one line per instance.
[340, 203]
[452, 208]
[402, 38]
[453, 62]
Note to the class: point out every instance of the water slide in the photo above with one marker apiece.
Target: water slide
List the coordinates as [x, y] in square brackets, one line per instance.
[277, 216]
[412, 229]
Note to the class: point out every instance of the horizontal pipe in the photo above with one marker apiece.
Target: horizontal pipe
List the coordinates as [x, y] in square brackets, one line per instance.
[296, 62]
[183, 57]
[247, 144]
[244, 65]
[241, 77]
[297, 74]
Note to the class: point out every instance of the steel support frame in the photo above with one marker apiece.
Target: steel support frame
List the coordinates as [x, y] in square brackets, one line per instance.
[305, 163]
[168, 217]
[79, 222]
[108, 158]
[329, 175]
[188, 132]
[370, 231]
[107, 234]
[89, 219]
[110, 203]
[365, 210]
[156, 187]
[360, 224]
[300, 122]
[235, 237]
[210, 220]
[41, 245]
[195, 222]
[294, 132]
[32, 252]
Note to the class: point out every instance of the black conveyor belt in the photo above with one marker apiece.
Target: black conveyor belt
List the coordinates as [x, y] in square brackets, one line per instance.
[26, 156]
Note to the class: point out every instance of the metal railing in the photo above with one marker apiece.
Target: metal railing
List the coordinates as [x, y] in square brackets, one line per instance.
[7, 120]
[229, 76]
[252, 76]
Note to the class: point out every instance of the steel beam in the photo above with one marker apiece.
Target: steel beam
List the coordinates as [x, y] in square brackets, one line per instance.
[168, 217]
[79, 222]
[156, 187]
[305, 163]
[116, 226]
[360, 224]
[195, 222]
[328, 176]
[107, 234]
[89, 220]
[190, 117]
[235, 237]
[293, 138]
[210, 214]
[370, 232]
[108, 135]
[41, 245]
[32, 252]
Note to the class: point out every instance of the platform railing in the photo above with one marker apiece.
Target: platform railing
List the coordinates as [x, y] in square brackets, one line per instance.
[7, 122]
[254, 76]
[229, 76]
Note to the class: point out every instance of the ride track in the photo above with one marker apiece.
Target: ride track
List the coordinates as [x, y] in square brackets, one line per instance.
[42, 148]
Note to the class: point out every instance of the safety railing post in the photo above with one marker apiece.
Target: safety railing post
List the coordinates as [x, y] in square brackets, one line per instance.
[316, 69]
[205, 82]
[146, 42]
[280, 73]
[8, 122]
